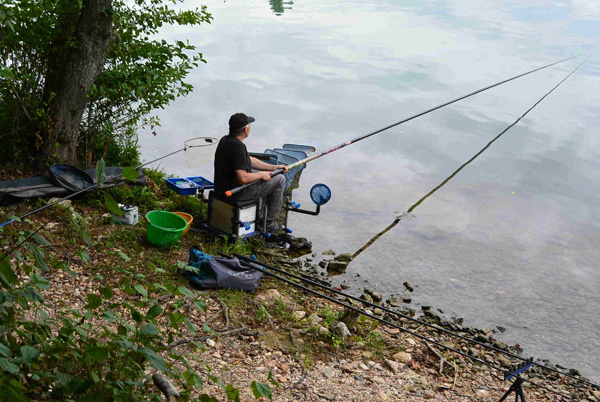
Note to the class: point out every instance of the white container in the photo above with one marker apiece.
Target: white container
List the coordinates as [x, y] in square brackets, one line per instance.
[130, 215]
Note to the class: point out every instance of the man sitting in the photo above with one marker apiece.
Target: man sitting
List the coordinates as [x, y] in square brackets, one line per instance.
[234, 167]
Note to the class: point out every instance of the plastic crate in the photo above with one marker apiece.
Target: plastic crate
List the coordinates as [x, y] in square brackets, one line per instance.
[189, 185]
[202, 182]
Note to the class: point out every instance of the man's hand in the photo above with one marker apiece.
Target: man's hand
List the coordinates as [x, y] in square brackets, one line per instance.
[266, 176]
[285, 169]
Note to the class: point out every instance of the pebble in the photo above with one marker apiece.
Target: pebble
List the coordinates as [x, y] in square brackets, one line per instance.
[402, 357]
[363, 366]
[341, 330]
[504, 362]
[392, 365]
[298, 315]
[210, 342]
[345, 257]
[314, 319]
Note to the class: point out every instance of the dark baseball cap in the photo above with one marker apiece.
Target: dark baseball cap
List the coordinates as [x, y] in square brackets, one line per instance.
[239, 120]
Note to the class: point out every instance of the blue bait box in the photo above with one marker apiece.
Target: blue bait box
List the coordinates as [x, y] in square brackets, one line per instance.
[188, 185]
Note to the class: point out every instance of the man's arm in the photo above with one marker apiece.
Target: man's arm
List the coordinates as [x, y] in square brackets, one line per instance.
[260, 165]
[244, 177]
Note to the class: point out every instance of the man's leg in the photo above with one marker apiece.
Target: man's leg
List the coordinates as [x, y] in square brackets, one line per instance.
[272, 191]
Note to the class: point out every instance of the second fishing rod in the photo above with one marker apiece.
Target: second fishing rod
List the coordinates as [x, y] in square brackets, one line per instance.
[355, 140]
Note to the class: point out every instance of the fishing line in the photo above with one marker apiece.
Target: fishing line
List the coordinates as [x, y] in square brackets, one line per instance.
[374, 317]
[415, 205]
[350, 142]
[340, 293]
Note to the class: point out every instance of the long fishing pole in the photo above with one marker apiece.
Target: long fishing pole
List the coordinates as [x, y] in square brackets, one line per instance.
[345, 144]
[461, 167]
[245, 259]
[391, 324]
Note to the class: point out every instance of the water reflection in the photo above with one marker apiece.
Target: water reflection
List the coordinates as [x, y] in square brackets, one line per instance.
[279, 6]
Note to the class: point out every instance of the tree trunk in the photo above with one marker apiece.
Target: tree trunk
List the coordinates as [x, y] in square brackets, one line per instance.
[70, 79]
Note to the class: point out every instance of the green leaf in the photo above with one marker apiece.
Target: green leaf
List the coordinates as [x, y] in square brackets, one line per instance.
[208, 329]
[154, 358]
[5, 350]
[40, 282]
[14, 218]
[185, 291]
[154, 312]
[206, 398]
[94, 301]
[141, 289]
[233, 394]
[123, 256]
[106, 291]
[149, 330]
[130, 173]
[39, 256]
[97, 353]
[201, 304]
[85, 257]
[112, 205]
[29, 354]
[261, 389]
[7, 275]
[9, 366]
[272, 380]
[190, 325]
[38, 238]
[6, 73]
[100, 172]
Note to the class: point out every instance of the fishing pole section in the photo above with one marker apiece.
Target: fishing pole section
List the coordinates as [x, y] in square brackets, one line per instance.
[461, 167]
[355, 140]
[513, 372]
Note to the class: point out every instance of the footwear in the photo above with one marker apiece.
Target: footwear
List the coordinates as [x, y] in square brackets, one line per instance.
[272, 227]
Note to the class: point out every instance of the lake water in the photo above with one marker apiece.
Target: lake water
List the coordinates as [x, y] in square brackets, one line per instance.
[512, 240]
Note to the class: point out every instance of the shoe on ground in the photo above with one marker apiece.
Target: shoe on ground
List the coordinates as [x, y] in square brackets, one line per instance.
[272, 227]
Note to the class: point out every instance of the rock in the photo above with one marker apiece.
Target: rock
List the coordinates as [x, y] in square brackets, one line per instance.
[341, 330]
[323, 264]
[359, 378]
[298, 315]
[314, 319]
[392, 365]
[395, 301]
[348, 368]
[210, 342]
[346, 257]
[504, 362]
[366, 297]
[344, 286]
[270, 296]
[323, 331]
[336, 267]
[363, 366]
[501, 345]
[328, 252]
[596, 394]
[408, 286]
[377, 297]
[328, 373]
[402, 357]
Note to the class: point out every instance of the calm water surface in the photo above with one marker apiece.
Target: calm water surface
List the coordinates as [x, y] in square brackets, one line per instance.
[512, 240]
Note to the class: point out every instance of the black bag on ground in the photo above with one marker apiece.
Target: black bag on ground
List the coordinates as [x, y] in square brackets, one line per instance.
[218, 272]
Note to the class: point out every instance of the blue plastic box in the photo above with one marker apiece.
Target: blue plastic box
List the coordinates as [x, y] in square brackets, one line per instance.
[189, 185]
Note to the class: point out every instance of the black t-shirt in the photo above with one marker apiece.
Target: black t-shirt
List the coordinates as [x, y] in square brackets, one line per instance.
[231, 155]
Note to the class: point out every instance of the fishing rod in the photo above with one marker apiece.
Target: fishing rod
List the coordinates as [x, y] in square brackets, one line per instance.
[246, 260]
[345, 144]
[207, 140]
[461, 167]
[391, 324]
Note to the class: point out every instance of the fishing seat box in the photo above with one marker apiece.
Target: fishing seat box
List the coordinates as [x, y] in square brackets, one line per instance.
[235, 218]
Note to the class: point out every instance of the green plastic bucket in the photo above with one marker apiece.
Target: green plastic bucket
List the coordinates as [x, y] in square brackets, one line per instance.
[164, 228]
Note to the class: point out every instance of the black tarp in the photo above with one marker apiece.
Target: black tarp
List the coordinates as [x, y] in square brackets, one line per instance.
[15, 191]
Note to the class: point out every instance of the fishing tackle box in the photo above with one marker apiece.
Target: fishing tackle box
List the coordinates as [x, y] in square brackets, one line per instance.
[189, 185]
[237, 219]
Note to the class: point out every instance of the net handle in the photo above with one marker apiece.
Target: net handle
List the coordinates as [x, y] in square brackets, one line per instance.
[209, 141]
